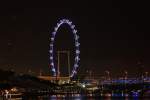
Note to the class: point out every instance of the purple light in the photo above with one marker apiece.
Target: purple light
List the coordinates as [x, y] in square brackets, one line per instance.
[58, 24]
[52, 39]
[76, 65]
[51, 45]
[53, 69]
[76, 37]
[77, 44]
[67, 21]
[54, 33]
[77, 58]
[51, 58]
[74, 31]
[56, 28]
[51, 51]
[52, 64]
[61, 21]
[64, 20]
[77, 51]
[72, 26]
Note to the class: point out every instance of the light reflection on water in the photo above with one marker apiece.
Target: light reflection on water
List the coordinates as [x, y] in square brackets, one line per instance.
[77, 97]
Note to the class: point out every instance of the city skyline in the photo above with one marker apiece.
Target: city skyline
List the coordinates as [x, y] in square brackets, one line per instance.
[113, 36]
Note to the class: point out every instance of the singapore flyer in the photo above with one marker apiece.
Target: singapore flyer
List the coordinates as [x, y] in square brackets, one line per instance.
[76, 44]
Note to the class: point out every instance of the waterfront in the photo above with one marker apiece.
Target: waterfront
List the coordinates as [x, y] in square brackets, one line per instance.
[61, 53]
[26, 87]
[77, 97]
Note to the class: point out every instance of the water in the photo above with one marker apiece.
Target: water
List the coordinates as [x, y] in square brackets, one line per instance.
[89, 96]
[80, 97]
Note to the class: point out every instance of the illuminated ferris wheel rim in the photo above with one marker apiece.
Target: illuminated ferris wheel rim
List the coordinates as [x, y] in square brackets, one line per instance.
[77, 44]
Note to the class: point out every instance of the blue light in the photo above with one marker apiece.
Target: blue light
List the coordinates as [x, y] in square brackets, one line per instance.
[117, 95]
[135, 94]
[53, 69]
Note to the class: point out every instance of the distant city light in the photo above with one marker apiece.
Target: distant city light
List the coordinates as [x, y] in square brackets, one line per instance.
[83, 85]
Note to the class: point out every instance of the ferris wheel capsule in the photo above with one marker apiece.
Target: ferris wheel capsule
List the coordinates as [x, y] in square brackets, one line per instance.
[56, 28]
[76, 37]
[70, 23]
[74, 31]
[52, 64]
[54, 33]
[51, 45]
[77, 51]
[50, 51]
[52, 39]
[76, 65]
[77, 44]
[51, 58]
[53, 69]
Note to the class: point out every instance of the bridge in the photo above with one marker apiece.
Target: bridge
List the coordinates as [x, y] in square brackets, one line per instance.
[127, 81]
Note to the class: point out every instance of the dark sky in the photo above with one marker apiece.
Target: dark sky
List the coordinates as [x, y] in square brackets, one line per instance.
[114, 35]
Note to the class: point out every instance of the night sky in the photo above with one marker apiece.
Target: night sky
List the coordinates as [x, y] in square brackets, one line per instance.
[114, 35]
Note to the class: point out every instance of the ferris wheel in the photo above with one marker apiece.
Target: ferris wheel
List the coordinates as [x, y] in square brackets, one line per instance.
[76, 44]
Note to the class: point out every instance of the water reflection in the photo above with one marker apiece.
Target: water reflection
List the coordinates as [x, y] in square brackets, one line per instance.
[79, 97]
